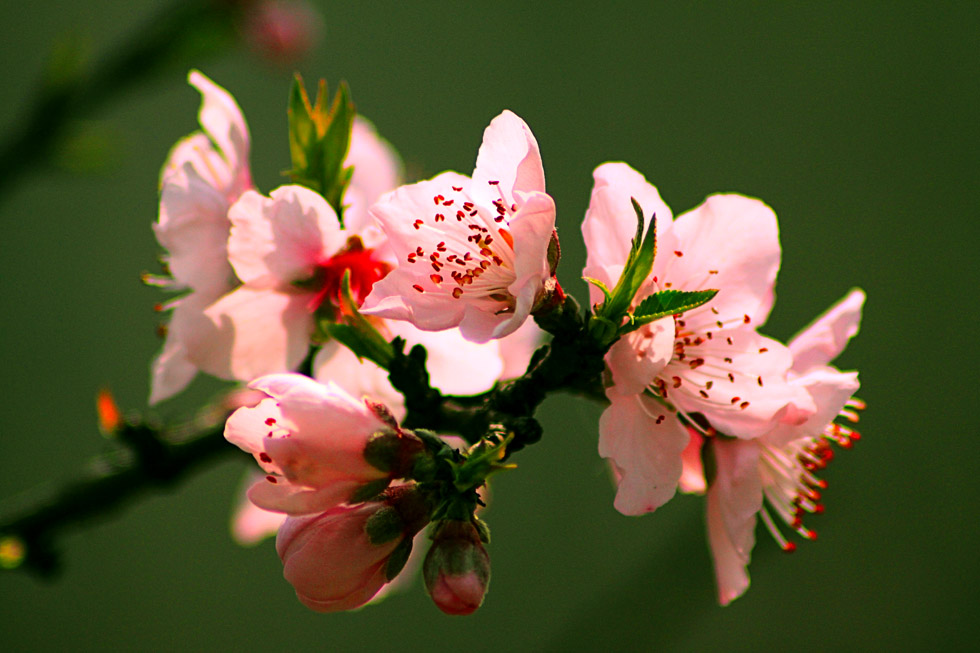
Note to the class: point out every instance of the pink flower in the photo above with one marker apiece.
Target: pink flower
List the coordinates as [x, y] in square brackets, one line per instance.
[774, 474]
[204, 174]
[709, 361]
[330, 560]
[200, 183]
[471, 252]
[310, 440]
[290, 253]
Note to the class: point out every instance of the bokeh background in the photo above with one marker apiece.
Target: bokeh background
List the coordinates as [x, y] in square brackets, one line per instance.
[857, 122]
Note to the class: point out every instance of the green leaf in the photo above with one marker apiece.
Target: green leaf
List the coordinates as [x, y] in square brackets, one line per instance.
[319, 139]
[643, 251]
[664, 303]
[601, 286]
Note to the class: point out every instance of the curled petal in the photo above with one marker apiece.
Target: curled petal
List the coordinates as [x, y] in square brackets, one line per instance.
[224, 123]
[508, 156]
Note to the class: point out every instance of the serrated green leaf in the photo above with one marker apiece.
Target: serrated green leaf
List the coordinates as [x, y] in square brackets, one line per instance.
[601, 286]
[664, 303]
[637, 268]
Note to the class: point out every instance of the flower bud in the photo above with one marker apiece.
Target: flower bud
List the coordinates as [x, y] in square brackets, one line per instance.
[340, 559]
[457, 568]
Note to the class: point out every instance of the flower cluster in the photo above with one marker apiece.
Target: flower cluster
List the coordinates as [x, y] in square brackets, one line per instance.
[362, 313]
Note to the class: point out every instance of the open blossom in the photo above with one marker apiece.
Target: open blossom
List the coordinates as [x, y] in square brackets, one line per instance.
[471, 252]
[309, 439]
[773, 476]
[290, 253]
[709, 361]
[204, 175]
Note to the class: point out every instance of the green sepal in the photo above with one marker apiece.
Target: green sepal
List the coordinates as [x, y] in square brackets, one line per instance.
[398, 558]
[357, 333]
[383, 450]
[601, 286]
[643, 251]
[482, 460]
[319, 139]
[664, 303]
[369, 490]
[384, 526]
[482, 529]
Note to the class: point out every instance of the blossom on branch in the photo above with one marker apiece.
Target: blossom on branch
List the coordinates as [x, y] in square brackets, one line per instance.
[472, 252]
[775, 473]
[204, 175]
[310, 441]
[706, 368]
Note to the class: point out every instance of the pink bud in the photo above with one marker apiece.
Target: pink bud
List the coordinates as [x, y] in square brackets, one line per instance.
[457, 568]
[330, 560]
[283, 31]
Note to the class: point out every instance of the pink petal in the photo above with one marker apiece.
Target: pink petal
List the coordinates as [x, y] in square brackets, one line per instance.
[517, 348]
[223, 122]
[740, 405]
[510, 156]
[638, 357]
[731, 575]
[826, 337]
[692, 479]
[377, 170]
[830, 390]
[610, 222]
[738, 488]
[172, 370]
[250, 524]
[193, 228]
[292, 499]
[359, 377]
[253, 332]
[730, 243]
[279, 239]
[646, 455]
[456, 365]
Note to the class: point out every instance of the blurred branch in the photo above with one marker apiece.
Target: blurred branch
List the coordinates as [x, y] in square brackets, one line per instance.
[148, 459]
[179, 36]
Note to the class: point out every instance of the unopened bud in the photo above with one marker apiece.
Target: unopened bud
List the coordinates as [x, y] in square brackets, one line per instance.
[457, 568]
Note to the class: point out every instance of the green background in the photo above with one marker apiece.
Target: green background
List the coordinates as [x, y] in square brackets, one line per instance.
[856, 122]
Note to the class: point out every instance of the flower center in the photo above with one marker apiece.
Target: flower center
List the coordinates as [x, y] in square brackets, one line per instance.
[328, 275]
[476, 251]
